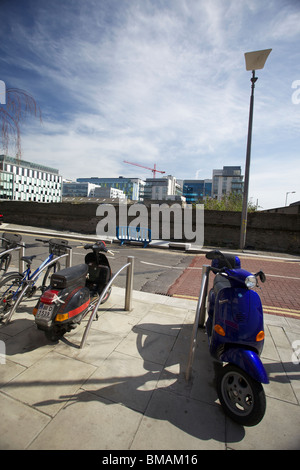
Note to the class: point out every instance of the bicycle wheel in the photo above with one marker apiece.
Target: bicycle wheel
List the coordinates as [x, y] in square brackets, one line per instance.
[47, 277]
[10, 289]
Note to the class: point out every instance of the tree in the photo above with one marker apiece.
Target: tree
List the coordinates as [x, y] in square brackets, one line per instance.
[229, 202]
[17, 106]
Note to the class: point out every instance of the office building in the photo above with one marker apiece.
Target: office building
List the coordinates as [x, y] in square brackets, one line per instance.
[75, 189]
[195, 191]
[133, 188]
[109, 192]
[21, 180]
[162, 188]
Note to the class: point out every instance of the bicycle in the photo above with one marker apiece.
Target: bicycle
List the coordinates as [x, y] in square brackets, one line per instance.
[15, 286]
[10, 242]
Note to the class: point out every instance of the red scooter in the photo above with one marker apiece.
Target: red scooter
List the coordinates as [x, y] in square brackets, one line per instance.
[73, 292]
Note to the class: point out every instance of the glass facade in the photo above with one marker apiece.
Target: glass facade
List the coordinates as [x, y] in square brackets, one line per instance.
[133, 188]
[25, 181]
[6, 185]
[196, 190]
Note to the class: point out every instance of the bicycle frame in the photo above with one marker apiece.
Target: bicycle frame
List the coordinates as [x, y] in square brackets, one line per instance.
[39, 270]
[30, 281]
[26, 274]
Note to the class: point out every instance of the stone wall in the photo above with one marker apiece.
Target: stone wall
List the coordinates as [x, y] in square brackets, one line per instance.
[265, 231]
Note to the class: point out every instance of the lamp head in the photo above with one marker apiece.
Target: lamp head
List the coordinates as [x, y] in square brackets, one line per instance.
[256, 60]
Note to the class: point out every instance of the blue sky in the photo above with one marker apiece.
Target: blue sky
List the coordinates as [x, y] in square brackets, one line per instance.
[158, 81]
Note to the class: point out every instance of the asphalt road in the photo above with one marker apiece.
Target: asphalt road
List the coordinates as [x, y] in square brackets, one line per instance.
[155, 270]
[159, 271]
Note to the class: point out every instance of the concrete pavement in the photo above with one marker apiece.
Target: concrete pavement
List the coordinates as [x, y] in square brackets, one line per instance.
[126, 388]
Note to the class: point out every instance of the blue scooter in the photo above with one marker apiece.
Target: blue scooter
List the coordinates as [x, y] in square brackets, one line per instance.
[235, 330]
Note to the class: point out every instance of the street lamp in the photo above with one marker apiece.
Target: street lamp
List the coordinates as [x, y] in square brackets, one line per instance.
[286, 195]
[254, 61]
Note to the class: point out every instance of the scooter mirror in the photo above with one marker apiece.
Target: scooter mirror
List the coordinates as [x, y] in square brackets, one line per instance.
[261, 276]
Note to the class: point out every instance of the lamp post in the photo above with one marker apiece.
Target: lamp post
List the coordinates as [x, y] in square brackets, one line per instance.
[254, 61]
[286, 195]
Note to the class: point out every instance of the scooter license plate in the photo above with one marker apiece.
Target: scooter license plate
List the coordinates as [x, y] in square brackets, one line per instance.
[45, 311]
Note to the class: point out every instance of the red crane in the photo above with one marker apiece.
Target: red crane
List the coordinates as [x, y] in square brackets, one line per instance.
[154, 170]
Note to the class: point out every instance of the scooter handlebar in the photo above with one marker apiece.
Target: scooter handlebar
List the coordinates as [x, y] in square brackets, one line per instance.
[216, 270]
[54, 241]
[97, 245]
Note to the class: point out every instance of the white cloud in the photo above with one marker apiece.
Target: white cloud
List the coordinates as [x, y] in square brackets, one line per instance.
[158, 82]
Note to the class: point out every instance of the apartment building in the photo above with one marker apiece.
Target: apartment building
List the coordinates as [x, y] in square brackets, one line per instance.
[226, 181]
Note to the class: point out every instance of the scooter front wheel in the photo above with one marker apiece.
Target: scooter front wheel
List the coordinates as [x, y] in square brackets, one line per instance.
[242, 397]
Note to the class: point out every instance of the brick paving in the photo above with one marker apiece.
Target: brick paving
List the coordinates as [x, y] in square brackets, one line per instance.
[280, 294]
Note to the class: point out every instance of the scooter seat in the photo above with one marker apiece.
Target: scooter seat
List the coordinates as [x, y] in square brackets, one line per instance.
[220, 283]
[69, 277]
[28, 259]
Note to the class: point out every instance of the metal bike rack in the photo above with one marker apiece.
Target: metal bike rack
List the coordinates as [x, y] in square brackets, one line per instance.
[128, 295]
[21, 249]
[199, 317]
[34, 278]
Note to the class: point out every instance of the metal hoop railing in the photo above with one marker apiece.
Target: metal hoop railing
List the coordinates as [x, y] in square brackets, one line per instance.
[128, 295]
[199, 317]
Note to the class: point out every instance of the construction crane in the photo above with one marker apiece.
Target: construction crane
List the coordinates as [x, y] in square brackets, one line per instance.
[154, 170]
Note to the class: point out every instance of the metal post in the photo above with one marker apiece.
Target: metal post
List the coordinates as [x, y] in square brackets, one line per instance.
[129, 284]
[69, 259]
[247, 167]
[21, 254]
[199, 317]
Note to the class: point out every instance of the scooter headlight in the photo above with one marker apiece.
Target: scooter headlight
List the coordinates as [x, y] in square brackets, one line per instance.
[250, 281]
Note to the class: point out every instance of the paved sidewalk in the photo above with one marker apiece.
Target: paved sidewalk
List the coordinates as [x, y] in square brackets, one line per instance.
[126, 388]
[280, 294]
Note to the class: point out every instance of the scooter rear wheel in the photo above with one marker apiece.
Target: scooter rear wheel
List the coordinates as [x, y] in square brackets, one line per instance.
[242, 397]
[55, 333]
